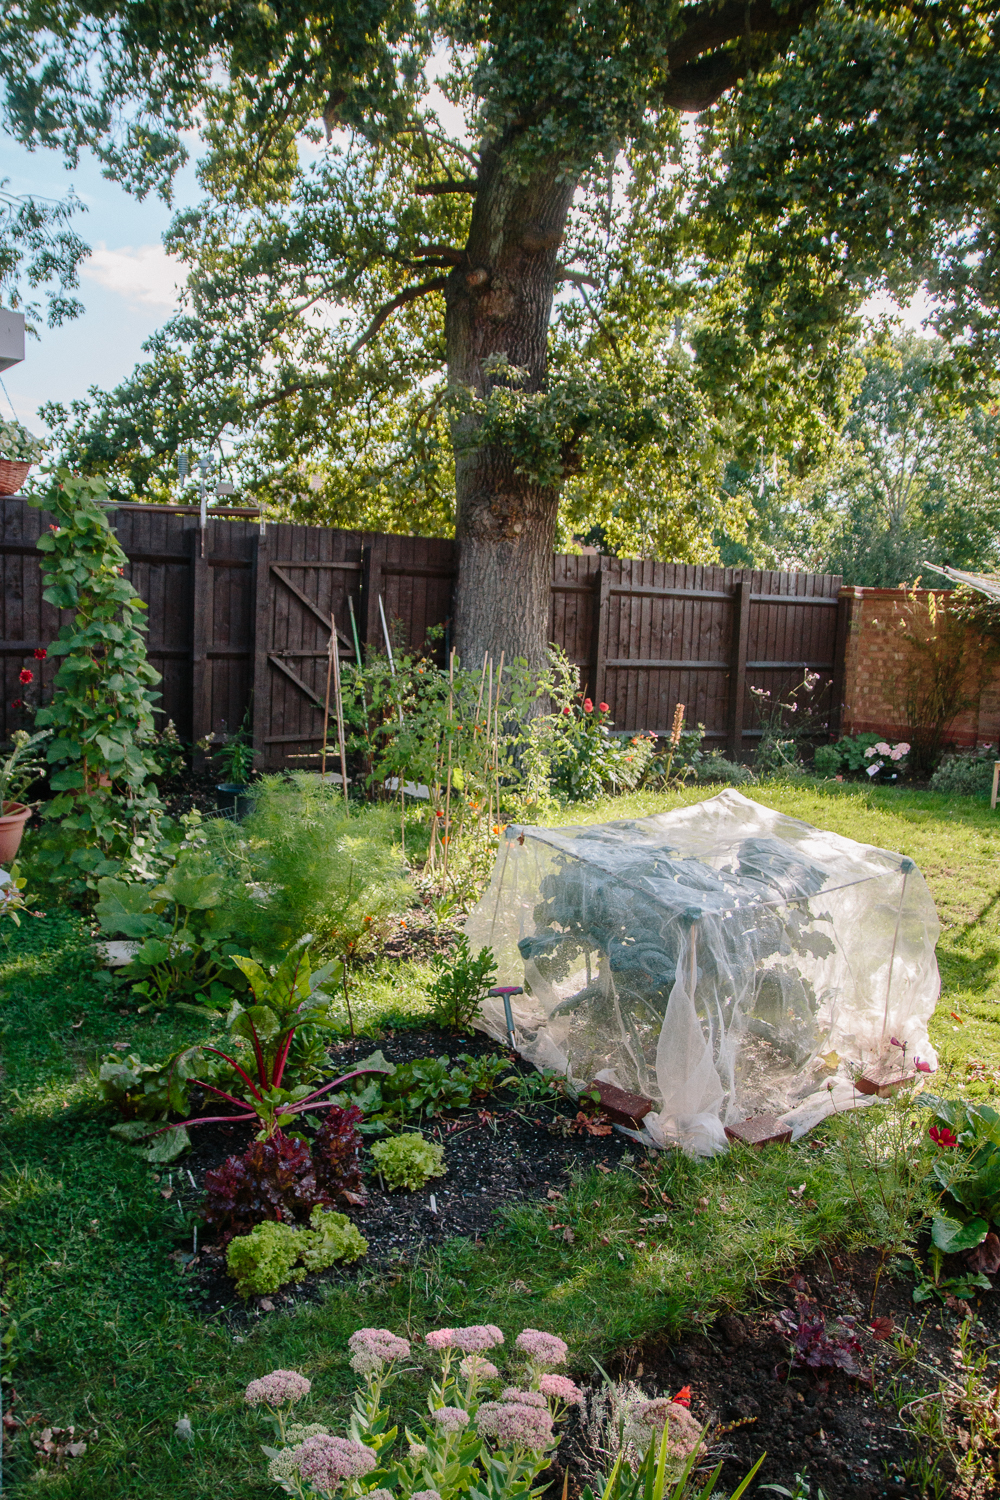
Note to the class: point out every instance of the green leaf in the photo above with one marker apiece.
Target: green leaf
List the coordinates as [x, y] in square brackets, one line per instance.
[124, 907]
[263, 1019]
[195, 892]
[950, 1235]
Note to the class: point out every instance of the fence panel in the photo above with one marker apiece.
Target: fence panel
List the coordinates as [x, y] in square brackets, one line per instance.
[239, 617]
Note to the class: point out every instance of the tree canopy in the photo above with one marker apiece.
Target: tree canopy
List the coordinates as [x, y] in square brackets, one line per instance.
[573, 298]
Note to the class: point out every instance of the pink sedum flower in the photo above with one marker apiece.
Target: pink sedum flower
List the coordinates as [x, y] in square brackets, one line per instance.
[478, 1336]
[277, 1388]
[326, 1461]
[451, 1418]
[543, 1349]
[440, 1338]
[526, 1398]
[560, 1388]
[515, 1425]
[373, 1347]
[425, 1495]
[474, 1367]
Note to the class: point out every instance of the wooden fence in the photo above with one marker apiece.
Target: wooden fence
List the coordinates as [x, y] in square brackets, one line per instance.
[239, 622]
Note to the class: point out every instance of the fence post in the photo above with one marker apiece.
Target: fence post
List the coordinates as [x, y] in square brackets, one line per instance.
[373, 556]
[261, 643]
[201, 712]
[599, 646]
[738, 666]
[848, 611]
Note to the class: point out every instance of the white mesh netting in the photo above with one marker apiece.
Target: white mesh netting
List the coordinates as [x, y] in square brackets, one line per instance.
[724, 960]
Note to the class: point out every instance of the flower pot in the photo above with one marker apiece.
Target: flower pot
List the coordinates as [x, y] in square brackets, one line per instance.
[13, 473]
[233, 800]
[12, 822]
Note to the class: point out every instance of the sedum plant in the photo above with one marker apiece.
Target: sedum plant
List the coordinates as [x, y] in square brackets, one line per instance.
[408, 1161]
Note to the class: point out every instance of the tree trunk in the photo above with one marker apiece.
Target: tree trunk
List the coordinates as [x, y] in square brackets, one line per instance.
[499, 303]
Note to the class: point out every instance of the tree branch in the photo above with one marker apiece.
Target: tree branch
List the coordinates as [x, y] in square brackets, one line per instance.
[578, 278]
[437, 284]
[450, 185]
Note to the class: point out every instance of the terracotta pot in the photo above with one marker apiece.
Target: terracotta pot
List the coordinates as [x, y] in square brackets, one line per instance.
[15, 815]
[13, 473]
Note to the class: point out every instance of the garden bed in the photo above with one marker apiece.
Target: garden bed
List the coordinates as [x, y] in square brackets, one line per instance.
[497, 1153]
[846, 1433]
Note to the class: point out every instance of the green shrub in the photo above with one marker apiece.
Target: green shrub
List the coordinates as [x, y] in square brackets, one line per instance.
[827, 760]
[408, 1161]
[301, 862]
[265, 1259]
[965, 774]
[714, 767]
[462, 984]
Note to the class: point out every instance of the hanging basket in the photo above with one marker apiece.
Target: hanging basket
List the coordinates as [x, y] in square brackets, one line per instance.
[13, 473]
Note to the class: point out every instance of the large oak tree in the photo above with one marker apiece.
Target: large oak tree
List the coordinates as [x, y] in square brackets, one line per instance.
[844, 146]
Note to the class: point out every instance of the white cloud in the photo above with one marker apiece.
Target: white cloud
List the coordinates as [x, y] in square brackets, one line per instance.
[145, 276]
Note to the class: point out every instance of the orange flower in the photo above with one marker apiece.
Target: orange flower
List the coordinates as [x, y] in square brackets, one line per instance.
[496, 829]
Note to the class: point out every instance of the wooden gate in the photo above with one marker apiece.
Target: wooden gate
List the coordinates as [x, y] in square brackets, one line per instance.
[303, 576]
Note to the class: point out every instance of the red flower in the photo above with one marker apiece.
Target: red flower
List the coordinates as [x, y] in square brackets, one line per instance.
[588, 706]
[17, 703]
[683, 1397]
[40, 653]
[565, 710]
[603, 707]
[25, 676]
[943, 1135]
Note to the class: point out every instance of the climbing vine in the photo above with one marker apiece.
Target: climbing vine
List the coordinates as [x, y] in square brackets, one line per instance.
[102, 705]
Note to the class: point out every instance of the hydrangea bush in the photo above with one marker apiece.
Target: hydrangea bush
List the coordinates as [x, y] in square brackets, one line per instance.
[474, 1441]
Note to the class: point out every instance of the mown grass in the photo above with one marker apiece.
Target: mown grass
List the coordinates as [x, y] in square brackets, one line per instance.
[102, 1332]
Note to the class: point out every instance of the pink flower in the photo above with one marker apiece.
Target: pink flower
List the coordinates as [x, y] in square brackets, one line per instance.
[921, 1066]
[896, 754]
[425, 1495]
[277, 1388]
[869, 752]
[560, 1388]
[440, 1338]
[451, 1418]
[903, 748]
[515, 1425]
[526, 1398]
[327, 1460]
[895, 1042]
[605, 709]
[683, 1431]
[474, 1339]
[372, 1347]
[542, 1348]
[588, 705]
[882, 748]
[474, 1367]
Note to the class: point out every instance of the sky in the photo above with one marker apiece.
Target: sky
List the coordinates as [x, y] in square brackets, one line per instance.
[129, 285]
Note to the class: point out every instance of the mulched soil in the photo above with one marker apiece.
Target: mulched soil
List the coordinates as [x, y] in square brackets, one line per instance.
[495, 1155]
[845, 1433]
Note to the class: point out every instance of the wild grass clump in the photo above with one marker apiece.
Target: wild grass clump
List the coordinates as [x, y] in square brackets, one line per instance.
[301, 862]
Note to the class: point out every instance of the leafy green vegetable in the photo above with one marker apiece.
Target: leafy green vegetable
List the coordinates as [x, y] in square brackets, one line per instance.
[408, 1161]
[265, 1259]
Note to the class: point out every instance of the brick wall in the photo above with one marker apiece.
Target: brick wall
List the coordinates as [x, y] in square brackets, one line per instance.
[877, 660]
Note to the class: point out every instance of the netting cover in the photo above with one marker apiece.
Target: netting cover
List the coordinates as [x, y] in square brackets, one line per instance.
[723, 960]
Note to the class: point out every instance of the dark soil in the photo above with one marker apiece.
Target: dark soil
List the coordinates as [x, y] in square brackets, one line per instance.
[844, 1433]
[495, 1155]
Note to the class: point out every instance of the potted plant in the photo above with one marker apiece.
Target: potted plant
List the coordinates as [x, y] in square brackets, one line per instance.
[19, 449]
[235, 756]
[17, 773]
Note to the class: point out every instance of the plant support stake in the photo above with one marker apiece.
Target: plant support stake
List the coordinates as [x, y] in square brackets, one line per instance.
[335, 658]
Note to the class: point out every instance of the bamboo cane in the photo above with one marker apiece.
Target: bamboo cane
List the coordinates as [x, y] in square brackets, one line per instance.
[326, 705]
[447, 795]
[496, 737]
[335, 657]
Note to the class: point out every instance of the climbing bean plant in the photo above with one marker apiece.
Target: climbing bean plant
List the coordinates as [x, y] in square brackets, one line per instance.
[102, 705]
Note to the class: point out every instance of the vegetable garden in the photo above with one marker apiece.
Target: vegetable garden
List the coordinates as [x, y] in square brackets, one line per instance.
[280, 1215]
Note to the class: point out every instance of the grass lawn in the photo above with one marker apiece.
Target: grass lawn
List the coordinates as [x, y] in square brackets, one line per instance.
[102, 1334]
